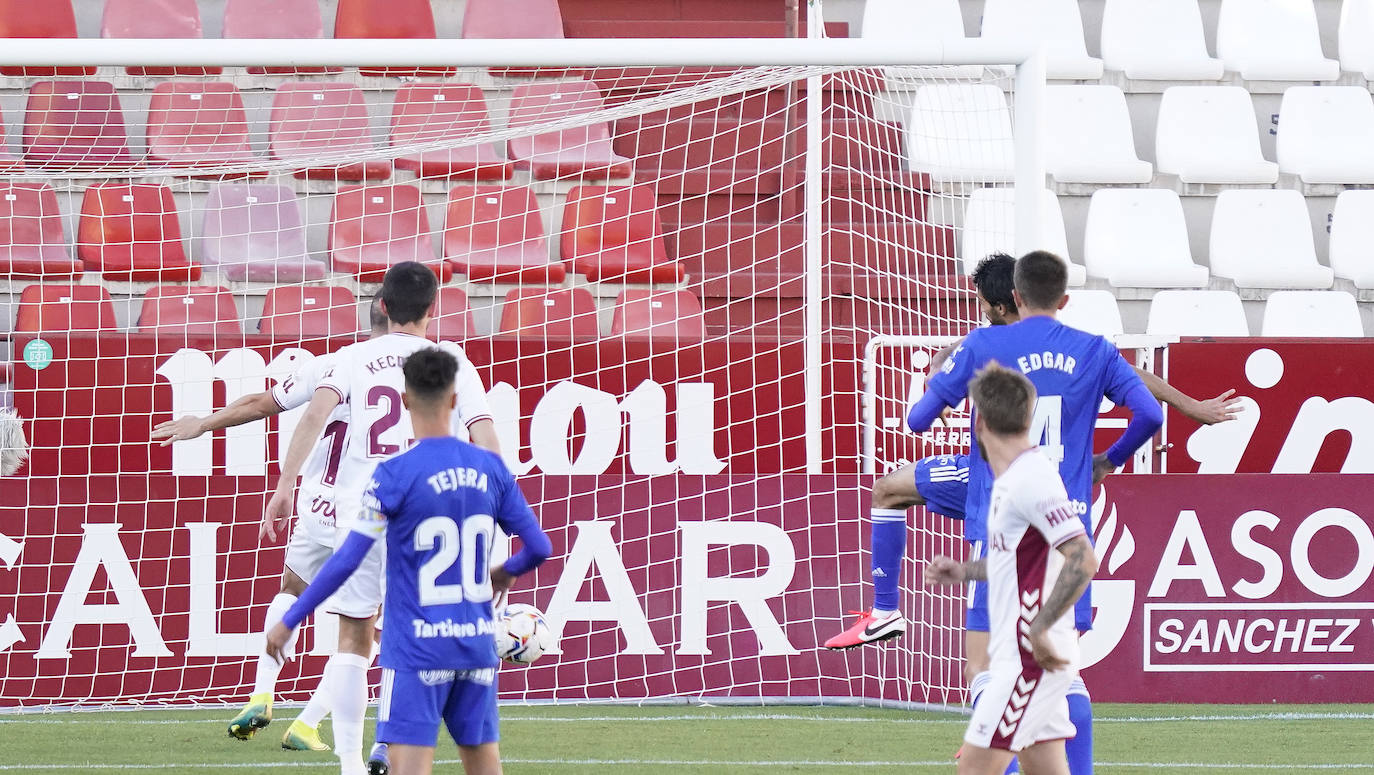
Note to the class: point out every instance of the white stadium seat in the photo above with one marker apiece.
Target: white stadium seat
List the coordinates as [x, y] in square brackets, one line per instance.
[1273, 40]
[1356, 37]
[1137, 237]
[917, 20]
[1352, 237]
[990, 227]
[961, 132]
[1326, 134]
[1207, 134]
[1263, 239]
[1311, 313]
[1157, 40]
[1196, 313]
[1088, 137]
[1093, 311]
[1055, 24]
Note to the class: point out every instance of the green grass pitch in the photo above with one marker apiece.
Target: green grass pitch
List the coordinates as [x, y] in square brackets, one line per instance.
[622, 740]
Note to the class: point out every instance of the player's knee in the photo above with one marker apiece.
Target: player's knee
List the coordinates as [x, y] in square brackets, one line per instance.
[484, 759]
[355, 636]
[292, 584]
[891, 492]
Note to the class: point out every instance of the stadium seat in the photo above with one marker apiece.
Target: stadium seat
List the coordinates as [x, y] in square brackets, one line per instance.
[1326, 134]
[494, 234]
[1355, 38]
[580, 152]
[198, 124]
[1263, 239]
[990, 227]
[374, 227]
[1093, 311]
[1196, 313]
[1055, 24]
[388, 19]
[74, 125]
[1160, 40]
[32, 243]
[640, 312]
[614, 234]
[1136, 237]
[512, 19]
[309, 310]
[445, 113]
[48, 19]
[131, 232]
[1088, 137]
[8, 161]
[255, 232]
[451, 319]
[188, 309]
[549, 312]
[1207, 134]
[1311, 313]
[154, 19]
[316, 123]
[1273, 40]
[958, 132]
[275, 19]
[1352, 238]
[917, 20]
[60, 309]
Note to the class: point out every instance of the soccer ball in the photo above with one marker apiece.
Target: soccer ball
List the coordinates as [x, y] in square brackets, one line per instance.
[522, 635]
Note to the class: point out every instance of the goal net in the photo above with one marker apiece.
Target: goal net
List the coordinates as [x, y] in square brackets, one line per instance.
[700, 299]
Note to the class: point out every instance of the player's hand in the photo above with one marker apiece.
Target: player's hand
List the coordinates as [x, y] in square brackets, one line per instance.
[276, 642]
[1214, 410]
[944, 570]
[278, 509]
[1102, 467]
[183, 429]
[1041, 650]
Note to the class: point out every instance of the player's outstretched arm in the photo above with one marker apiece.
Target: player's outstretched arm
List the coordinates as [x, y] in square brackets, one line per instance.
[245, 410]
[1080, 563]
[1209, 412]
[945, 571]
[302, 441]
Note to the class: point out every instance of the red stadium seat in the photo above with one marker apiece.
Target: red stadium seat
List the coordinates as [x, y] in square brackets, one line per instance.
[581, 152]
[131, 232]
[549, 312]
[275, 19]
[188, 309]
[154, 19]
[58, 309]
[310, 310]
[48, 19]
[512, 19]
[315, 121]
[255, 232]
[196, 124]
[388, 19]
[31, 240]
[374, 227]
[640, 312]
[432, 113]
[494, 234]
[613, 234]
[451, 320]
[74, 125]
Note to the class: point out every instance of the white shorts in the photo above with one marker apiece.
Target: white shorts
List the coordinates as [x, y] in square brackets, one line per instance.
[306, 553]
[1022, 708]
[360, 597]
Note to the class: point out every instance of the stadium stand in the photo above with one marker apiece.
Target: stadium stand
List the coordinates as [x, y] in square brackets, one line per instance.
[154, 19]
[961, 131]
[512, 19]
[373, 227]
[1138, 237]
[1161, 40]
[310, 311]
[131, 232]
[310, 120]
[1263, 239]
[541, 313]
[1207, 134]
[1325, 134]
[194, 124]
[1093, 311]
[256, 232]
[1352, 232]
[452, 320]
[1055, 24]
[1196, 313]
[275, 19]
[1311, 313]
[1088, 137]
[188, 309]
[388, 19]
[74, 125]
[640, 312]
[48, 19]
[1273, 40]
[583, 151]
[990, 227]
[32, 242]
[1355, 37]
[494, 234]
[430, 113]
[57, 309]
[613, 234]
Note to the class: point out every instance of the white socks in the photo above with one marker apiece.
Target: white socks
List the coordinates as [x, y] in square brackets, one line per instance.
[266, 680]
[322, 700]
[348, 691]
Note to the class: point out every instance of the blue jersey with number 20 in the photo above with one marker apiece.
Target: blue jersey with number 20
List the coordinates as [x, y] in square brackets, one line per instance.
[439, 504]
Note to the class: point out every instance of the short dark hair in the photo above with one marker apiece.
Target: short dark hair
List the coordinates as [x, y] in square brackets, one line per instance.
[1042, 278]
[993, 279]
[409, 289]
[1003, 398]
[376, 318]
[429, 373]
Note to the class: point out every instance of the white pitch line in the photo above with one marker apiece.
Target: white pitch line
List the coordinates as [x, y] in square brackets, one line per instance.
[690, 763]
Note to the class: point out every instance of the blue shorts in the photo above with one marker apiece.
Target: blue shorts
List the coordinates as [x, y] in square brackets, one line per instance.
[976, 615]
[413, 703]
[942, 481]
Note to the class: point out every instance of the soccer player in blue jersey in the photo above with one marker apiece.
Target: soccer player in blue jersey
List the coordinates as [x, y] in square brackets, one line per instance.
[438, 505]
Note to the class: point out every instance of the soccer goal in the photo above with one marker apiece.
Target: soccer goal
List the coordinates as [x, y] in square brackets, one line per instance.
[667, 258]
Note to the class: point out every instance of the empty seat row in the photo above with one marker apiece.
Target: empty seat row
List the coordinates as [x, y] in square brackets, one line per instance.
[1220, 313]
[318, 311]
[256, 232]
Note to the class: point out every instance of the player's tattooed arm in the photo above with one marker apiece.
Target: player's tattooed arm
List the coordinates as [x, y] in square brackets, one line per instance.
[1080, 563]
[1209, 412]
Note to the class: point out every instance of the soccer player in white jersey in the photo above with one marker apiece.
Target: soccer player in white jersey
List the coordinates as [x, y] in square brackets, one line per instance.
[367, 378]
[1039, 563]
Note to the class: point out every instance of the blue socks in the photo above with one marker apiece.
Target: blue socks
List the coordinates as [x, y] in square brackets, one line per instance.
[1080, 748]
[889, 544]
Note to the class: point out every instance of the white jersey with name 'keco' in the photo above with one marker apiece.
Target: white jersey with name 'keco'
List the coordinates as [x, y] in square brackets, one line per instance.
[1029, 518]
[368, 379]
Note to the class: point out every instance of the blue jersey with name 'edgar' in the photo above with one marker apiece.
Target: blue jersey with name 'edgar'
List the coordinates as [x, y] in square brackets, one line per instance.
[440, 503]
[1072, 371]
